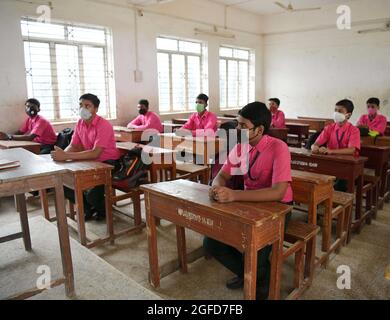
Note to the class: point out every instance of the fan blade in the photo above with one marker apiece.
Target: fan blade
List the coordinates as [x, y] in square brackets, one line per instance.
[281, 5]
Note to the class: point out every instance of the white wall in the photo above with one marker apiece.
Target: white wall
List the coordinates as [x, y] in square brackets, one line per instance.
[177, 19]
[311, 65]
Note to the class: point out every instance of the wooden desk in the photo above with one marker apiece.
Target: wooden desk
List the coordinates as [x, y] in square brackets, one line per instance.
[314, 124]
[279, 133]
[387, 131]
[299, 129]
[223, 120]
[80, 176]
[35, 174]
[387, 272]
[343, 167]
[179, 121]
[378, 157]
[170, 127]
[313, 189]
[367, 141]
[198, 146]
[27, 145]
[382, 141]
[245, 226]
[123, 134]
[161, 159]
[230, 116]
[328, 121]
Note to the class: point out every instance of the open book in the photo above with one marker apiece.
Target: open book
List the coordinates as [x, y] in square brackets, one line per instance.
[7, 164]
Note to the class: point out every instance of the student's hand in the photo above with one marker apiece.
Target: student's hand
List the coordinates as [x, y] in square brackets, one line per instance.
[224, 195]
[58, 154]
[3, 136]
[315, 148]
[323, 150]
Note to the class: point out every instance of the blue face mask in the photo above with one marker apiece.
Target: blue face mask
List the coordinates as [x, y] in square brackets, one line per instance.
[85, 114]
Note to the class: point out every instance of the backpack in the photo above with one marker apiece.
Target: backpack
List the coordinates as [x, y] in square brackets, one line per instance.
[132, 171]
[64, 138]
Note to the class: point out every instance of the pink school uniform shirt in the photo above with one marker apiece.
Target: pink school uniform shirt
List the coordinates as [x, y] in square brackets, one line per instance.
[42, 128]
[150, 120]
[99, 133]
[278, 120]
[379, 123]
[205, 125]
[336, 137]
[269, 162]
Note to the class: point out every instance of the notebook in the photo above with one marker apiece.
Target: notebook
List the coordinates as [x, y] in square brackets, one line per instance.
[7, 164]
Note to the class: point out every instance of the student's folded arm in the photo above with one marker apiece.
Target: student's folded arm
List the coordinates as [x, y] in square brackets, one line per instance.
[74, 148]
[85, 155]
[24, 137]
[275, 193]
[345, 151]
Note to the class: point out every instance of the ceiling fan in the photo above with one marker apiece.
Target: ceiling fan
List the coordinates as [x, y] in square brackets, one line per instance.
[290, 7]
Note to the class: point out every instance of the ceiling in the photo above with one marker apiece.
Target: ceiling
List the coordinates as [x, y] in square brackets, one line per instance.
[267, 7]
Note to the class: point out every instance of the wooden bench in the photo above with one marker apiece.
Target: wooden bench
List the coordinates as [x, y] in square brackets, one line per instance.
[302, 236]
[196, 172]
[387, 272]
[345, 200]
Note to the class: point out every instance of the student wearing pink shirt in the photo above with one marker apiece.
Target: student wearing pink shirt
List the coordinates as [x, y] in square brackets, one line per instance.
[93, 139]
[339, 138]
[373, 121]
[203, 122]
[35, 128]
[146, 119]
[267, 177]
[278, 118]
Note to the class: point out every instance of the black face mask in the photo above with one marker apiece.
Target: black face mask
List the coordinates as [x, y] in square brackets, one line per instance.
[31, 112]
[142, 111]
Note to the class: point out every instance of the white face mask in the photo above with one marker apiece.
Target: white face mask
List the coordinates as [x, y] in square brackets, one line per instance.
[85, 114]
[339, 117]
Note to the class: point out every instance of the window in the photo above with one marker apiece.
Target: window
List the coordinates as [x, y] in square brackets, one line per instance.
[236, 68]
[64, 61]
[181, 74]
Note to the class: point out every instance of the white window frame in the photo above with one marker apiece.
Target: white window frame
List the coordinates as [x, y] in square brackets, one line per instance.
[250, 71]
[108, 65]
[203, 72]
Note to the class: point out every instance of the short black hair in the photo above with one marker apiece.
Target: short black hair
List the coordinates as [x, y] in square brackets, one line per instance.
[144, 102]
[33, 101]
[375, 101]
[91, 97]
[258, 114]
[203, 97]
[276, 100]
[347, 104]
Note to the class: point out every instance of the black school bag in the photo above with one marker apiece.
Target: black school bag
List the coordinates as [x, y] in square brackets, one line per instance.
[132, 171]
[64, 138]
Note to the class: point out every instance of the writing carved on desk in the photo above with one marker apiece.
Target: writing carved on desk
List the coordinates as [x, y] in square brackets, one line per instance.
[304, 164]
[195, 217]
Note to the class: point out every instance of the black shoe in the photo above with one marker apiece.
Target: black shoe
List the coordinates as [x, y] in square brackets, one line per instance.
[100, 216]
[88, 215]
[261, 293]
[235, 283]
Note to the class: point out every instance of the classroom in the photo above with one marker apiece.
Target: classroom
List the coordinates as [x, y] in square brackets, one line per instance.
[202, 150]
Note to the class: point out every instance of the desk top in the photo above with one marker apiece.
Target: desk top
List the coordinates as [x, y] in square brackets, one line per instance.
[145, 148]
[77, 166]
[174, 136]
[297, 124]
[336, 158]
[253, 213]
[125, 129]
[31, 166]
[311, 177]
[11, 144]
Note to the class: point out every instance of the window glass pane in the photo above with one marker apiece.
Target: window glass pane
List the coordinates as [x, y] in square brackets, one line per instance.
[163, 81]
[190, 47]
[42, 30]
[167, 44]
[178, 82]
[194, 79]
[241, 54]
[226, 52]
[68, 76]
[243, 84]
[222, 83]
[95, 75]
[86, 35]
[39, 76]
[232, 84]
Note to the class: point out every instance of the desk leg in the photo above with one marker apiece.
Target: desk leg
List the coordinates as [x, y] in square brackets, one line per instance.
[181, 248]
[21, 204]
[152, 244]
[109, 216]
[80, 214]
[45, 204]
[277, 264]
[63, 234]
[327, 232]
[359, 201]
[250, 269]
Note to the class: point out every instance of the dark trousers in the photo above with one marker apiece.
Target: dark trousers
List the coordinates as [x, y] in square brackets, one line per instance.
[46, 148]
[341, 185]
[233, 260]
[94, 199]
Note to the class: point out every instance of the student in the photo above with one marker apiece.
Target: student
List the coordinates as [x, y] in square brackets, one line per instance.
[373, 121]
[278, 118]
[93, 139]
[146, 119]
[339, 138]
[268, 178]
[203, 122]
[35, 128]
